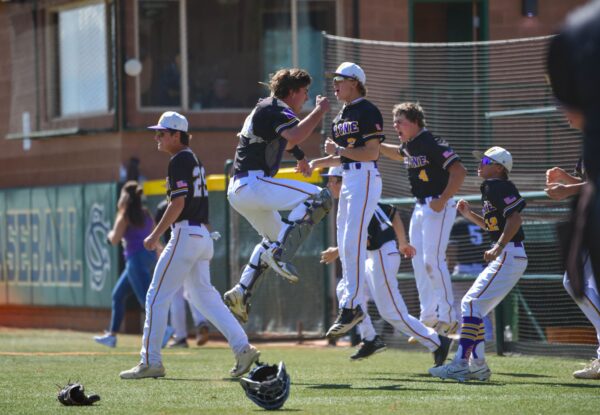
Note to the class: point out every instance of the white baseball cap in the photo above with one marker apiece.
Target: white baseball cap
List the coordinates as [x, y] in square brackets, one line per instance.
[171, 120]
[351, 70]
[498, 154]
[334, 171]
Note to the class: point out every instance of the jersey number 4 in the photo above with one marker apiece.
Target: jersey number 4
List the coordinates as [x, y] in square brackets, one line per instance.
[423, 175]
[200, 189]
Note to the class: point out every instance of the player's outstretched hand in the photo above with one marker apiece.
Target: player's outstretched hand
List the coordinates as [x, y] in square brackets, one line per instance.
[330, 146]
[463, 207]
[329, 255]
[303, 166]
[558, 191]
[556, 175]
[322, 103]
[407, 250]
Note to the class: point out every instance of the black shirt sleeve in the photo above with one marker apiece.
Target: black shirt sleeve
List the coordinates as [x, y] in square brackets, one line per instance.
[180, 182]
[506, 198]
[440, 152]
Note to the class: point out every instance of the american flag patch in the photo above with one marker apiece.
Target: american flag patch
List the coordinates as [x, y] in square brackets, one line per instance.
[378, 127]
[508, 200]
[289, 113]
[447, 153]
[181, 183]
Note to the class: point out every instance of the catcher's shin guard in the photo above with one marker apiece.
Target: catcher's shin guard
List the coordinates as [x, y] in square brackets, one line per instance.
[317, 207]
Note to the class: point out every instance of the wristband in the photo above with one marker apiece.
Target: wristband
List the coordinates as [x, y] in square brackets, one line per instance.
[338, 150]
[296, 152]
[500, 244]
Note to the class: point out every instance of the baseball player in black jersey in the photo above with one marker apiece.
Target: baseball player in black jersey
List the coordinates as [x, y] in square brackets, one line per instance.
[506, 259]
[272, 128]
[561, 185]
[357, 132]
[386, 240]
[435, 173]
[185, 261]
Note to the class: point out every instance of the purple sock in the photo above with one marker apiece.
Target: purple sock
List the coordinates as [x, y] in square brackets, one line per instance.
[468, 335]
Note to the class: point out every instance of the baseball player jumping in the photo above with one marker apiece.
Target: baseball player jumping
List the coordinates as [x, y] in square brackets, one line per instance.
[357, 132]
[507, 260]
[386, 240]
[559, 186]
[186, 258]
[435, 173]
[271, 128]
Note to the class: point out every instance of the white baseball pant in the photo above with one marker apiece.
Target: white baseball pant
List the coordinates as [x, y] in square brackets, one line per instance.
[185, 262]
[590, 302]
[381, 268]
[495, 281]
[365, 328]
[259, 199]
[179, 314]
[429, 233]
[360, 192]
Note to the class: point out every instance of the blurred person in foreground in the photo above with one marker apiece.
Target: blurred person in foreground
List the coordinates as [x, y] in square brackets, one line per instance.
[573, 63]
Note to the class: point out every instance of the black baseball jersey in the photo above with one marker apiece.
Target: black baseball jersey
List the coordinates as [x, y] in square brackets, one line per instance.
[500, 198]
[355, 124]
[380, 228]
[427, 159]
[261, 145]
[186, 179]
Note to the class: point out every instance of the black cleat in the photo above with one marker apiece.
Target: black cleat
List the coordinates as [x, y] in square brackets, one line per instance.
[441, 353]
[369, 348]
[346, 319]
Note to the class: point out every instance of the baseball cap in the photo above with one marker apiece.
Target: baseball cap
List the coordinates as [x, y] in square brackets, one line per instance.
[498, 154]
[171, 120]
[333, 171]
[350, 70]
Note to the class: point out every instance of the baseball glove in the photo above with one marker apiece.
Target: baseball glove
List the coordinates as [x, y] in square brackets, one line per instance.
[74, 394]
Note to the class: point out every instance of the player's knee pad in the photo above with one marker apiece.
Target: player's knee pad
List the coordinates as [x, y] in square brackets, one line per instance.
[317, 207]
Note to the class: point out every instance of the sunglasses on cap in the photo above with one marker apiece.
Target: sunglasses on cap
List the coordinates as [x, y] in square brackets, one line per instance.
[340, 78]
[486, 161]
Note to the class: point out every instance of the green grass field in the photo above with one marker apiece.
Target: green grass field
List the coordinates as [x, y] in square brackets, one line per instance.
[324, 381]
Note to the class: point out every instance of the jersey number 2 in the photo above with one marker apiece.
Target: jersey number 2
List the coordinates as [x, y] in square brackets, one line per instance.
[200, 189]
[492, 224]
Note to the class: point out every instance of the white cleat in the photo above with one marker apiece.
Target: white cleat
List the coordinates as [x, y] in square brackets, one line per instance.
[590, 371]
[244, 360]
[284, 269]
[479, 372]
[454, 370]
[235, 300]
[142, 371]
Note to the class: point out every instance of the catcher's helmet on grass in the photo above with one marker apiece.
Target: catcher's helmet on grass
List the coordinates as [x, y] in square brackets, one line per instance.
[268, 386]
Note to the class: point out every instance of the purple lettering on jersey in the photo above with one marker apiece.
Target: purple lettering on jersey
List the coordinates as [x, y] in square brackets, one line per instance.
[508, 200]
[347, 127]
[414, 162]
[487, 207]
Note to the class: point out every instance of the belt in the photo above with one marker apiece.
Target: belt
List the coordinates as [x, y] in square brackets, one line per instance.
[423, 200]
[357, 165]
[188, 223]
[243, 174]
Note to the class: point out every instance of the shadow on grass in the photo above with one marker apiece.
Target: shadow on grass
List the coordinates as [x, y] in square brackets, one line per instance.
[522, 375]
[347, 386]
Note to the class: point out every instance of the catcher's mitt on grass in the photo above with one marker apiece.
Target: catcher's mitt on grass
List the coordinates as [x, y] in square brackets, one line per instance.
[74, 394]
